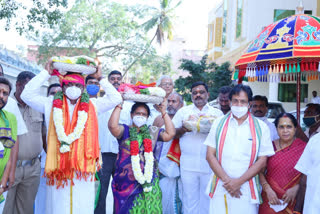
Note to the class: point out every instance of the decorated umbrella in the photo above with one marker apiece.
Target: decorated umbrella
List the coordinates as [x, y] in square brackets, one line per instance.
[287, 50]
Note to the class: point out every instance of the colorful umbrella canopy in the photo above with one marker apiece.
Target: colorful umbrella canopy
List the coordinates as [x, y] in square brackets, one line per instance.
[282, 49]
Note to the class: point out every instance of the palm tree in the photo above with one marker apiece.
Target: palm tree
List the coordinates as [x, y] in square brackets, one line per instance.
[162, 21]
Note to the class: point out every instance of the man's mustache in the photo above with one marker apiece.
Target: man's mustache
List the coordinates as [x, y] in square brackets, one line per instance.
[258, 111]
[198, 98]
[170, 108]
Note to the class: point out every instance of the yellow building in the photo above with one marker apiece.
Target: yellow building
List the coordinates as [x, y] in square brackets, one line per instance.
[233, 24]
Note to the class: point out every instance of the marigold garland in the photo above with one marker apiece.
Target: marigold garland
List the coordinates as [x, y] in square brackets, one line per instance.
[146, 177]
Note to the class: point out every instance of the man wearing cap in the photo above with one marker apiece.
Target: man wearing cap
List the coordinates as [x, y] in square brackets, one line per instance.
[73, 145]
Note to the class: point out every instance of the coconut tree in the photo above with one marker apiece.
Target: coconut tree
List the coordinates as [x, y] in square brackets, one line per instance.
[162, 21]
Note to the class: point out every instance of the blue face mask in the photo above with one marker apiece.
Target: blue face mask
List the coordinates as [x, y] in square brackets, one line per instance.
[93, 89]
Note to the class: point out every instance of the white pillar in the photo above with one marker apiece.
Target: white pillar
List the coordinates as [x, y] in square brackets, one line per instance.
[273, 91]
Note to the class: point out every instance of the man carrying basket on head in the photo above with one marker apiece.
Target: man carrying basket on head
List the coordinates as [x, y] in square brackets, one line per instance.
[73, 145]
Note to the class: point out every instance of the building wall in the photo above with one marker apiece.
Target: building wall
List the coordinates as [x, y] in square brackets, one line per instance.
[11, 74]
[13, 64]
[177, 50]
[255, 16]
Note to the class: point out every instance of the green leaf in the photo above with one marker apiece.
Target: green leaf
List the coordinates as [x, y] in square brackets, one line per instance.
[133, 134]
[213, 75]
[144, 91]
[58, 95]
[85, 97]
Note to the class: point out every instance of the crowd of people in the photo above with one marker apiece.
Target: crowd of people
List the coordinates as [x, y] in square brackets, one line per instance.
[56, 147]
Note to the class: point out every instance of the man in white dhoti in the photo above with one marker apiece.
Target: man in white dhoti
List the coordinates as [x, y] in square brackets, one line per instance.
[73, 145]
[195, 171]
[238, 146]
[309, 164]
[169, 163]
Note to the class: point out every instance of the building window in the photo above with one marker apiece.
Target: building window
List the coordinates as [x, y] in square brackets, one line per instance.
[288, 93]
[239, 18]
[224, 24]
[281, 14]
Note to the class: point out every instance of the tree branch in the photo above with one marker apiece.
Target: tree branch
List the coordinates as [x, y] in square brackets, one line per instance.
[145, 50]
[106, 47]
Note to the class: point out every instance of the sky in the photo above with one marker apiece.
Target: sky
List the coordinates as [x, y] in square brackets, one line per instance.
[190, 24]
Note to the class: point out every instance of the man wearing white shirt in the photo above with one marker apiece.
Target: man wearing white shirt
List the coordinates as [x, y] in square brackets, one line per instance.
[170, 181]
[309, 164]
[78, 195]
[195, 171]
[315, 99]
[238, 147]
[223, 99]
[259, 109]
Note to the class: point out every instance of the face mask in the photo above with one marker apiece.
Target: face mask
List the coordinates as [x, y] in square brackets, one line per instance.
[309, 121]
[73, 92]
[93, 89]
[239, 111]
[139, 120]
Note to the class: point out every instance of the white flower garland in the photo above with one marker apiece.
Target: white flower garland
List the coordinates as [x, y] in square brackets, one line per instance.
[75, 135]
[148, 169]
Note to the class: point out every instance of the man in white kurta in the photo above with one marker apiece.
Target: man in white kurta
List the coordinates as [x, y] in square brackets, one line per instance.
[170, 181]
[232, 193]
[59, 200]
[195, 171]
[309, 164]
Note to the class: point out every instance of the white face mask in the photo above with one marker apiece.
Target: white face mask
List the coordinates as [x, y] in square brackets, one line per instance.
[139, 120]
[239, 111]
[73, 92]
